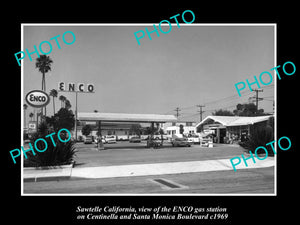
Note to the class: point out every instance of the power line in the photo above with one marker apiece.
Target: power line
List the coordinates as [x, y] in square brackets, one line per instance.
[257, 98]
[210, 110]
[200, 111]
[196, 114]
[225, 99]
[177, 112]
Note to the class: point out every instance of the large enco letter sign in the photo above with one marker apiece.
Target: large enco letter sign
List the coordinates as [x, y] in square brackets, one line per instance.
[71, 87]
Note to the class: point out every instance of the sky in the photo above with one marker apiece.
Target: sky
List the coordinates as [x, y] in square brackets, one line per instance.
[192, 65]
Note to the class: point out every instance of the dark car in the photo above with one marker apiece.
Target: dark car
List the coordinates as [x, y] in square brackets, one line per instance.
[181, 142]
[135, 140]
[88, 140]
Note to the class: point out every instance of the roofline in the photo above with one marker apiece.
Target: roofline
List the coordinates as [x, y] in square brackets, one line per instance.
[224, 124]
[125, 117]
[209, 117]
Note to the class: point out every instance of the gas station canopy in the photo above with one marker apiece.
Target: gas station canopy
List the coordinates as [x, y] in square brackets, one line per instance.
[125, 117]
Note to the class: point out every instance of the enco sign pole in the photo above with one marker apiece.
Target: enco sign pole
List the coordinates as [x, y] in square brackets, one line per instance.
[80, 89]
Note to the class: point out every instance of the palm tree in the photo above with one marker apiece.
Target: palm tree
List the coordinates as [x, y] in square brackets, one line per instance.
[43, 63]
[62, 99]
[25, 106]
[68, 104]
[53, 93]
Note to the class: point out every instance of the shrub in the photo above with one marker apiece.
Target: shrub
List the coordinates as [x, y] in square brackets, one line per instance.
[63, 153]
[260, 136]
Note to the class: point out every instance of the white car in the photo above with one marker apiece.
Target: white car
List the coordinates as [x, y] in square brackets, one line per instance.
[122, 138]
[193, 138]
[110, 139]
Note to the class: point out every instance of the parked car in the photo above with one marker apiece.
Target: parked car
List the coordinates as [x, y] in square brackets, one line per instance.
[88, 140]
[80, 138]
[122, 138]
[193, 138]
[135, 140]
[158, 137]
[144, 137]
[180, 142]
[190, 140]
[110, 139]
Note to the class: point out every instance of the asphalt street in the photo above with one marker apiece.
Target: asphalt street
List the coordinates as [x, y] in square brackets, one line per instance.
[247, 181]
[244, 181]
[124, 153]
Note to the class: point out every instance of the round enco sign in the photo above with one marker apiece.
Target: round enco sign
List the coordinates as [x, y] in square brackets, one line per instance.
[37, 98]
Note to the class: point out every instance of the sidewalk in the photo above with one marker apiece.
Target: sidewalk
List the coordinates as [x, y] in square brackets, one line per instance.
[165, 168]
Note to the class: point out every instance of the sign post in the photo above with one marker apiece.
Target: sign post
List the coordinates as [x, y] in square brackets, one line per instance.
[37, 99]
[80, 89]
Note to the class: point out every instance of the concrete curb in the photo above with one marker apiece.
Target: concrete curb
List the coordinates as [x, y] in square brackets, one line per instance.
[164, 168]
[47, 173]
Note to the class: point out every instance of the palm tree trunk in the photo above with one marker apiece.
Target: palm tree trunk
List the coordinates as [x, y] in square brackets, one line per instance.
[43, 77]
[53, 106]
[45, 91]
[42, 82]
[24, 118]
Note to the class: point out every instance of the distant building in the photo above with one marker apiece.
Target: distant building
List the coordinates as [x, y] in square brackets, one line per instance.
[119, 124]
[118, 129]
[231, 127]
[173, 128]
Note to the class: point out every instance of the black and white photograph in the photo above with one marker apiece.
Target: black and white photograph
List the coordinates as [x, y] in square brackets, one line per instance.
[174, 113]
[150, 114]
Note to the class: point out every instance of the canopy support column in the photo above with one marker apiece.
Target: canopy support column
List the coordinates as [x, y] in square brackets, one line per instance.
[100, 144]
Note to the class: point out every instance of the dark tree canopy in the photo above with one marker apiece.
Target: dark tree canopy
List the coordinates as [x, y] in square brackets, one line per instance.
[222, 112]
[246, 109]
[86, 130]
[64, 118]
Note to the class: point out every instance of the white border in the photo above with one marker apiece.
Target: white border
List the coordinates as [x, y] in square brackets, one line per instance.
[150, 24]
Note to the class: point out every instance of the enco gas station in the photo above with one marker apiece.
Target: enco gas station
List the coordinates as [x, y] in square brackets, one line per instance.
[100, 118]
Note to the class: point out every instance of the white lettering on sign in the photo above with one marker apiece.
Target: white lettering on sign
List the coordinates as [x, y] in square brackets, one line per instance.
[80, 87]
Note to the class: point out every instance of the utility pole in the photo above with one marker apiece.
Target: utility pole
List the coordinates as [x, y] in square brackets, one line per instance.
[200, 111]
[177, 112]
[257, 98]
[76, 110]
